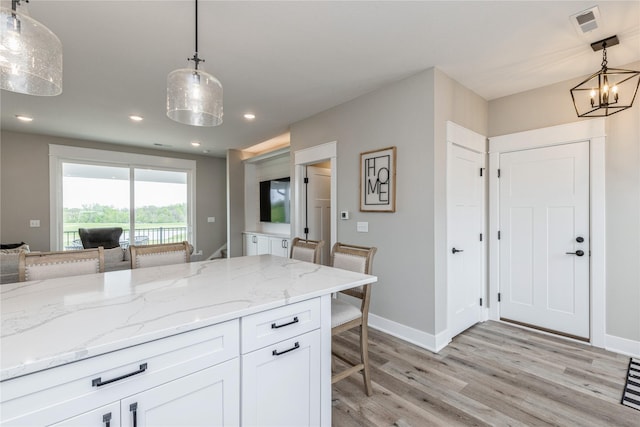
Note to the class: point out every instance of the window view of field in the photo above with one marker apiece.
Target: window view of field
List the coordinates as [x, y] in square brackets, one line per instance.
[99, 196]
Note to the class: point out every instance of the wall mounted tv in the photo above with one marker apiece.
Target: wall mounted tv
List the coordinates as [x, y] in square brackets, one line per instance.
[275, 200]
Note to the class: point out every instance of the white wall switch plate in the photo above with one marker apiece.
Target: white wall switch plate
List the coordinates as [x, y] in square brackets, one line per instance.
[211, 219]
[362, 227]
[34, 223]
[344, 215]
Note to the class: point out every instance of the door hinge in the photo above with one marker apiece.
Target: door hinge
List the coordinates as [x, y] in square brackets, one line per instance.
[481, 171]
[499, 296]
[306, 230]
[498, 234]
[481, 237]
[306, 180]
[480, 302]
[498, 173]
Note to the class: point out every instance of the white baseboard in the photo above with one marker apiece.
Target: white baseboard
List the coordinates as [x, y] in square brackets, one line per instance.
[622, 345]
[433, 343]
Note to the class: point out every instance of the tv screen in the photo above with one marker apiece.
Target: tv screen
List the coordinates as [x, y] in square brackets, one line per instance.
[275, 200]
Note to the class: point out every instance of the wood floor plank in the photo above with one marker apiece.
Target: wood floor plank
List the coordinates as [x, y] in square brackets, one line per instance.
[492, 374]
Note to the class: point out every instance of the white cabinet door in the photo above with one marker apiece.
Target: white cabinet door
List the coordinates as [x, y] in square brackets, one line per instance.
[279, 247]
[255, 244]
[206, 398]
[281, 383]
[262, 243]
[105, 416]
[250, 244]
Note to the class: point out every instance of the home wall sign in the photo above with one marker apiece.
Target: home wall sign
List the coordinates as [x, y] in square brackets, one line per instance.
[378, 180]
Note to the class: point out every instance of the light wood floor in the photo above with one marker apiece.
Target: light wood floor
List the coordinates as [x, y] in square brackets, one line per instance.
[493, 374]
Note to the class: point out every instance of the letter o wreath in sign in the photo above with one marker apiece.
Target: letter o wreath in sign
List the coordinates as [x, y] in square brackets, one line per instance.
[378, 180]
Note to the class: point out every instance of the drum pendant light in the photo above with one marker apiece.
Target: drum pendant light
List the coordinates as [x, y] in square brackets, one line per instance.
[194, 97]
[30, 54]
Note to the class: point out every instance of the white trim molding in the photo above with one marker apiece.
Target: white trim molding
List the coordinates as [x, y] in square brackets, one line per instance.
[622, 345]
[307, 156]
[433, 343]
[587, 130]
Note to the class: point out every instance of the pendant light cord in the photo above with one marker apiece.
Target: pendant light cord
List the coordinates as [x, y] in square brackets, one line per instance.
[195, 55]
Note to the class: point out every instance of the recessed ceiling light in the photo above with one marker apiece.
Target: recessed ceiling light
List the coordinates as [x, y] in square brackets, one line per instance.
[136, 118]
[24, 118]
[249, 116]
[195, 143]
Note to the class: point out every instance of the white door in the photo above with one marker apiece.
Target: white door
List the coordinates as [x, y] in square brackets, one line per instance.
[281, 383]
[465, 195]
[319, 208]
[206, 398]
[544, 238]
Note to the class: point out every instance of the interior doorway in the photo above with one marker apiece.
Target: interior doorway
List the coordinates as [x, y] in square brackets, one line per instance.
[466, 248]
[317, 206]
[590, 134]
[315, 203]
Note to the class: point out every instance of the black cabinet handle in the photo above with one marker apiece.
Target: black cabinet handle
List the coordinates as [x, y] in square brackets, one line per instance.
[97, 382]
[455, 251]
[579, 252]
[106, 419]
[133, 408]
[295, 320]
[279, 353]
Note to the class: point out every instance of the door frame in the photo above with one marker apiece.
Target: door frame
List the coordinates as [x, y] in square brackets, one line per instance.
[472, 141]
[307, 156]
[592, 131]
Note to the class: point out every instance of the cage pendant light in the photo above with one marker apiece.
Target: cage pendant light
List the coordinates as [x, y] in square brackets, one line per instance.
[194, 97]
[30, 54]
[608, 91]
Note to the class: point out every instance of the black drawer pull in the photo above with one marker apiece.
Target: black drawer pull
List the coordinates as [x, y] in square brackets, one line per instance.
[295, 320]
[106, 419]
[97, 382]
[279, 353]
[133, 408]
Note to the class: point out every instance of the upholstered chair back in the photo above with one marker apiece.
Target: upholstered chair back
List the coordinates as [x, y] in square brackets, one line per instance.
[306, 250]
[107, 237]
[155, 255]
[49, 265]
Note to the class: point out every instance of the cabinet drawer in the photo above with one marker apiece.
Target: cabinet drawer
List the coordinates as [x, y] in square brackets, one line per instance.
[271, 326]
[94, 382]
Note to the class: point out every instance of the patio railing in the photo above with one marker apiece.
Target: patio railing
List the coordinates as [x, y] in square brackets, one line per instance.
[144, 236]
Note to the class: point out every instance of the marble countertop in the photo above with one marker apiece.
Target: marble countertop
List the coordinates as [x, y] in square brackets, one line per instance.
[57, 321]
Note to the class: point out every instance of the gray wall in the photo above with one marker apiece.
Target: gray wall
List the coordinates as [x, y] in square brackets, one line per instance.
[410, 114]
[24, 182]
[551, 105]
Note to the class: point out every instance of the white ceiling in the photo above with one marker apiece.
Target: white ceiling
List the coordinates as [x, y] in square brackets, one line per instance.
[285, 61]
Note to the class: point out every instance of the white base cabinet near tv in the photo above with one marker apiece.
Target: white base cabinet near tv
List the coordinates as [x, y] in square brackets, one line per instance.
[262, 244]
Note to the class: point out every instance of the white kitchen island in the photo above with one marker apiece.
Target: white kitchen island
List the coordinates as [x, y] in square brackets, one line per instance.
[240, 341]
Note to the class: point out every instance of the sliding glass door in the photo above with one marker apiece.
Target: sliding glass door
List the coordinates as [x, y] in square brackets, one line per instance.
[149, 197]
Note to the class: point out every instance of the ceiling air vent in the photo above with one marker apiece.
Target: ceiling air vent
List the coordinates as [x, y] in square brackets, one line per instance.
[587, 20]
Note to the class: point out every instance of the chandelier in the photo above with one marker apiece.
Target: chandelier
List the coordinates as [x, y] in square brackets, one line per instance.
[194, 97]
[30, 54]
[608, 91]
